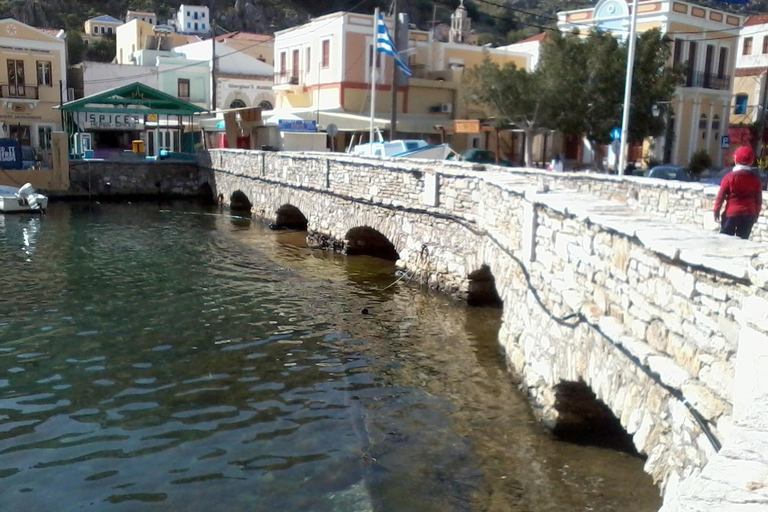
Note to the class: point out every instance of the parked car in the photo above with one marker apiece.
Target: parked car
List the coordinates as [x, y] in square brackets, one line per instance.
[481, 156]
[670, 172]
[717, 178]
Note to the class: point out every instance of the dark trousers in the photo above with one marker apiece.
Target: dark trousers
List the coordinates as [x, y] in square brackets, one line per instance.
[740, 225]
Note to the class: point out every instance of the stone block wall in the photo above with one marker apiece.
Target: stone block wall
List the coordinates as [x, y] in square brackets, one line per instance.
[103, 178]
[583, 301]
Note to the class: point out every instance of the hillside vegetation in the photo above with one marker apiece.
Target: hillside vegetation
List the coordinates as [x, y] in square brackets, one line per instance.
[497, 20]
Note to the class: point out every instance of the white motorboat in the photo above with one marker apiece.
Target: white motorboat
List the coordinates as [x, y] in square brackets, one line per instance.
[403, 149]
[24, 199]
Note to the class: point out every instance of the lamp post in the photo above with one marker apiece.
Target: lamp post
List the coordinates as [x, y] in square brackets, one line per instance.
[628, 89]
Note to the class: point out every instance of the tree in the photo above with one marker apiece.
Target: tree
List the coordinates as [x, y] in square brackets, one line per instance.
[585, 77]
[75, 47]
[102, 50]
[513, 94]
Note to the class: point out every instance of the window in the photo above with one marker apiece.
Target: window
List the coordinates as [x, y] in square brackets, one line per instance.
[237, 104]
[103, 30]
[109, 30]
[722, 63]
[747, 49]
[202, 26]
[282, 63]
[765, 44]
[309, 60]
[44, 136]
[703, 122]
[741, 104]
[183, 86]
[195, 16]
[195, 25]
[370, 58]
[95, 30]
[189, 25]
[16, 81]
[677, 52]
[265, 105]
[44, 74]
[326, 53]
[295, 66]
[21, 133]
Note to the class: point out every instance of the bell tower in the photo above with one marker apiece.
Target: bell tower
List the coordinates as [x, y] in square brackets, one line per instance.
[461, 25]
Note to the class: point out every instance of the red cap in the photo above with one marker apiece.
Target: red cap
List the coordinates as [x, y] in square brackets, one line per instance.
[744, 156]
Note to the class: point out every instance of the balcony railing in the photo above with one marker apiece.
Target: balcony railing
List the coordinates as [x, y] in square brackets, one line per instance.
[286, 78]
[23, 92]
[708, 81]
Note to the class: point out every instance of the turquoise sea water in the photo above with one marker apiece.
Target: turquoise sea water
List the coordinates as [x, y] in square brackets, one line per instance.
[163, 357]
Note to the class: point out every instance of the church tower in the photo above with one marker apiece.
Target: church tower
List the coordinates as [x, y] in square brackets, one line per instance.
[460, 25]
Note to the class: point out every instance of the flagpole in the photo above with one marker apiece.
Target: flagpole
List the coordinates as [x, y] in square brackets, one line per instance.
[373, 73]
[628, 90]
[395, 74]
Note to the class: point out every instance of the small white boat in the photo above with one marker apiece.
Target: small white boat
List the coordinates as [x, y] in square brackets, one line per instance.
[413, 148]
[24, 199]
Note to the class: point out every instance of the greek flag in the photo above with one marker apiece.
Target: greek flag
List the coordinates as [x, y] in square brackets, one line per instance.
[384, 44]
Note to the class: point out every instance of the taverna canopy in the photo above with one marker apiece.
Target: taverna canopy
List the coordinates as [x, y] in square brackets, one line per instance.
[135, 98]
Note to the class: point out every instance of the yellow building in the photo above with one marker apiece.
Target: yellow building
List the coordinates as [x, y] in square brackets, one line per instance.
[323, 72]
[705, 40]
[34, 79]
[137, 35]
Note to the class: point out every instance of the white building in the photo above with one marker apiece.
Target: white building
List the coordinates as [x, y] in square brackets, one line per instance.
[101, 26]
[193, 19]
[241, 79]
[148, 17]
[530, 46]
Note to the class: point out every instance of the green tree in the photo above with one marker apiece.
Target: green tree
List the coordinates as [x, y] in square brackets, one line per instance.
[514, 95]
[75, 47]
[102, 50]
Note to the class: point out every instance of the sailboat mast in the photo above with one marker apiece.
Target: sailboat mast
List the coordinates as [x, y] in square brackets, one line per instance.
[373, 72]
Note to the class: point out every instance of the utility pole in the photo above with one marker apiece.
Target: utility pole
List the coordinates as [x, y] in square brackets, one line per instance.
[395, 77]
[761, 112]
[214, 94]
[628, 90]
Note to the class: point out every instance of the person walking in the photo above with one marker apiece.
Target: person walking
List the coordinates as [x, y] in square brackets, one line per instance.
[556, 165]
[743, 195]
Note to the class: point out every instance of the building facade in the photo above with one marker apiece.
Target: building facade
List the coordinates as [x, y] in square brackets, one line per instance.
[258, 46]
[138, 35]
[705, 41]
[323, 72]
[101, 26]
[193, 19]
[148, 17]
[34, 63]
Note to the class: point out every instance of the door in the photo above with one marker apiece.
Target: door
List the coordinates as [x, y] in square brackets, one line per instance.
[16, 78]
[295, 68]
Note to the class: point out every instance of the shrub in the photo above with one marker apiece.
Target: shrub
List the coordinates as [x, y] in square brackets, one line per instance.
[699, 162]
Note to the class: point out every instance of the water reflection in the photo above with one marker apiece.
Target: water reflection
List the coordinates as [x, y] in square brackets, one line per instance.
[167, 359]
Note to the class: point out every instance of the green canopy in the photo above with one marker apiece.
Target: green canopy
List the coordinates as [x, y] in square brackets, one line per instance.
[135, 98]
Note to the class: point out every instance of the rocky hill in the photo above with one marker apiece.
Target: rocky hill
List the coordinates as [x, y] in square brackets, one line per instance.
[516, 19]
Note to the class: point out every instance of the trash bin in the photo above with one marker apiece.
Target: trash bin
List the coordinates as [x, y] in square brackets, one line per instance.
[138, 146]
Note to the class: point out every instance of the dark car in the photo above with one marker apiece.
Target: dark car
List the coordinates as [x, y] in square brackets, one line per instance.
[481, 156]
[718, 178]
[670, 172]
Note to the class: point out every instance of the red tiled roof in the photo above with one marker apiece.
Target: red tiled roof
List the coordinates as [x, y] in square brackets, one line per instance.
[758, 19]
[538, 37]
[245, 36]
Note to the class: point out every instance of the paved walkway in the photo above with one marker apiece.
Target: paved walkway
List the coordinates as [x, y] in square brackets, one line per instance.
[736, 478]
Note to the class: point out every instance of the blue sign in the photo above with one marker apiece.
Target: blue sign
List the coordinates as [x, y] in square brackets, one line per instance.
[297, 125]
[616, 134]
[10, 154]
[725, 142]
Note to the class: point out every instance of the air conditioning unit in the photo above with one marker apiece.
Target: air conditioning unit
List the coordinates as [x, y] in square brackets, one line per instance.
[446, 108]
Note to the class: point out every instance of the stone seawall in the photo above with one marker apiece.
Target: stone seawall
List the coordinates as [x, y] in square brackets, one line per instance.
[638, 310]
[102, 178]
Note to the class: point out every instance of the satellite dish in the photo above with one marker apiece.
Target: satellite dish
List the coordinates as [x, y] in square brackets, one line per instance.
[331, 130]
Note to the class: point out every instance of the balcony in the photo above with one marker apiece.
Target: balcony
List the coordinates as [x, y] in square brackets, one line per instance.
[288, 81]
[19, 92]
[708, 81]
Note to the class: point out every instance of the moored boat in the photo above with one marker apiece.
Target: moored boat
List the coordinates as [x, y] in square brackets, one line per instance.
[24, 199]
[411, 148]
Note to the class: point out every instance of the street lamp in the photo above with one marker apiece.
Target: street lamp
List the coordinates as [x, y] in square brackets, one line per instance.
[628, 89]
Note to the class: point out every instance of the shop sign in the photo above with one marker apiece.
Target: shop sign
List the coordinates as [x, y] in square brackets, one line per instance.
[466, 126]
[99, 121]
[10, 154]
[297, 125]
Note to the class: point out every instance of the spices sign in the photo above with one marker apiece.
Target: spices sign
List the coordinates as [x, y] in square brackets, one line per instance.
[99, 121]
